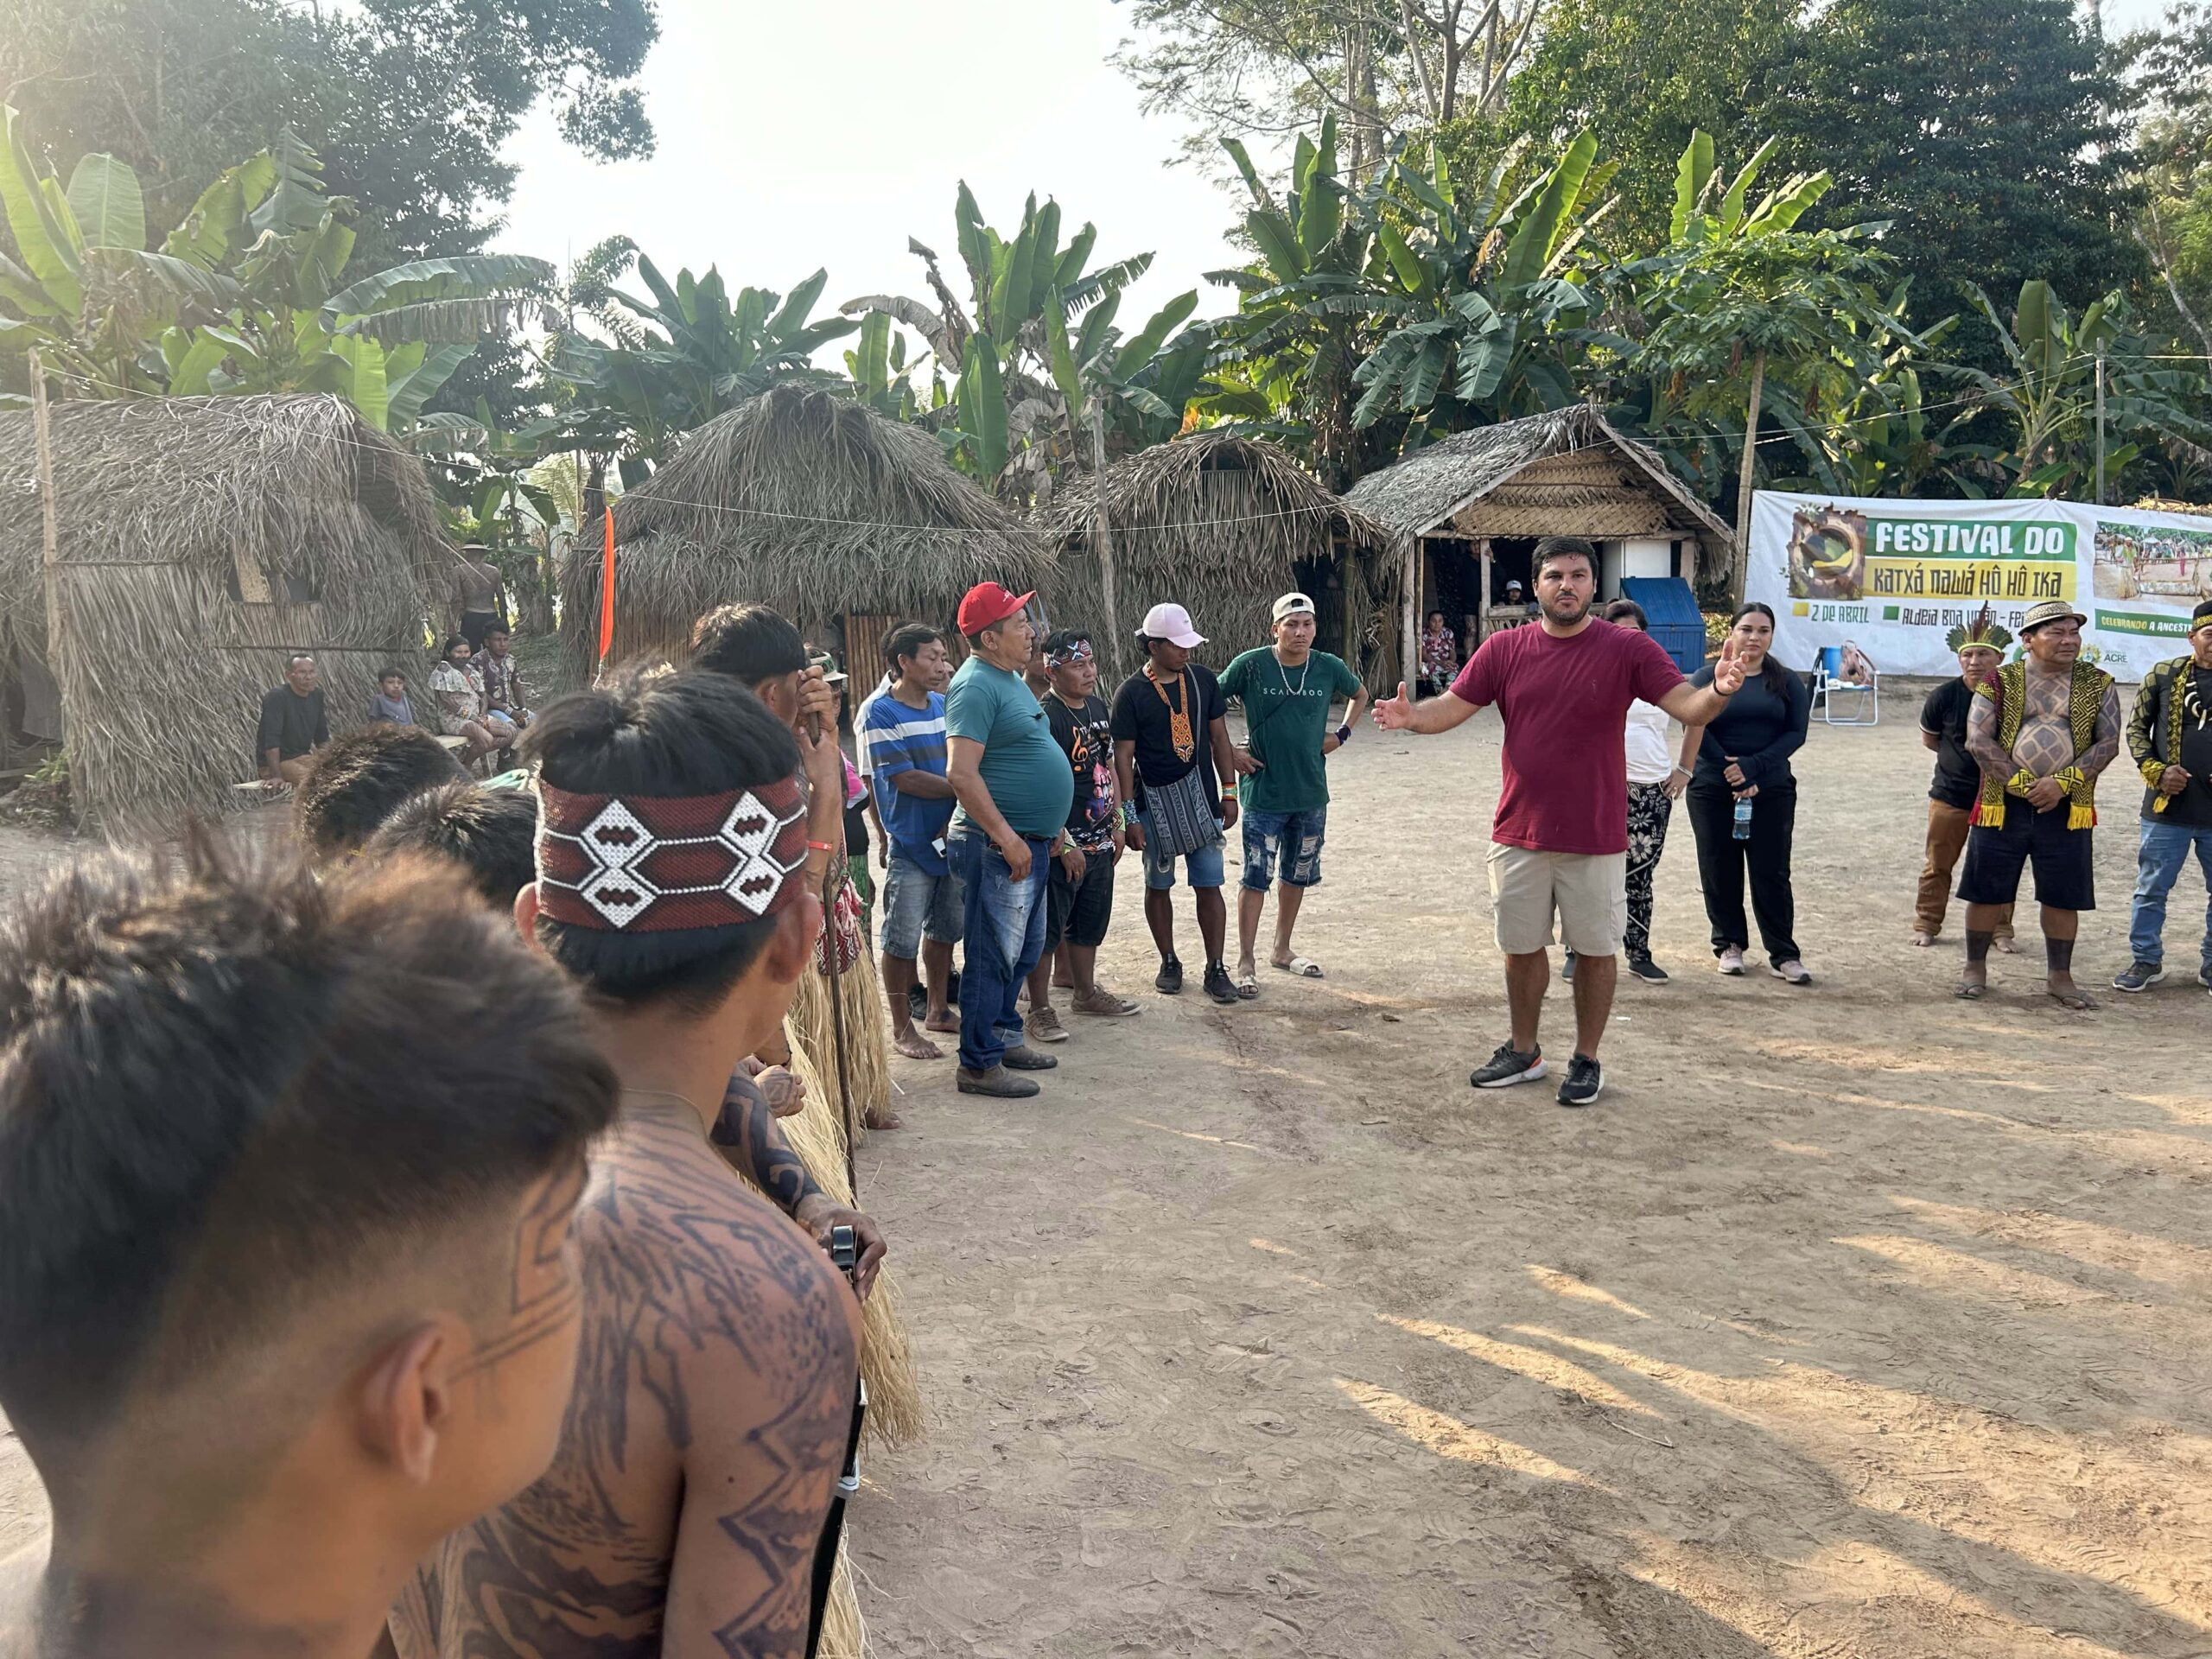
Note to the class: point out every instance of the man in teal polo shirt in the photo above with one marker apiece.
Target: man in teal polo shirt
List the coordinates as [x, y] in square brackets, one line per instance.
[1014, 787]
[1287, 690]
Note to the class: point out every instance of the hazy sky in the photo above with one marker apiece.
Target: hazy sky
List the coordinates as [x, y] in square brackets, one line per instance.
[792, 137]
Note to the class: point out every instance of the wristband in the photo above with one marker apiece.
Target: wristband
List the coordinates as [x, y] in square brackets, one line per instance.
[1344, 734]
[821, 847]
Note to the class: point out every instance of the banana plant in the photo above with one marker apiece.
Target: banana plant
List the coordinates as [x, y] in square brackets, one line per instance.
[1031, 351]
[693, 353]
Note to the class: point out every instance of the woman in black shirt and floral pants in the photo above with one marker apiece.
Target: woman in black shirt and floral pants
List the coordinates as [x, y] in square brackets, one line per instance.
[1744, 755]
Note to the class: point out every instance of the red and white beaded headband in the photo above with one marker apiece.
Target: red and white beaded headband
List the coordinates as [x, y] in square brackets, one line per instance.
[653, 864]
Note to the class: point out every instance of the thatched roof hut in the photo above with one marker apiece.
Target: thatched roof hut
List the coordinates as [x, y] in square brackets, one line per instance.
[846, 521]
[1482, 498]
[200, 541]
[1222, 525]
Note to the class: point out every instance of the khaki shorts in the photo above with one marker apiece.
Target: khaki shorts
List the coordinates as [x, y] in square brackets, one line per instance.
[1589, 891]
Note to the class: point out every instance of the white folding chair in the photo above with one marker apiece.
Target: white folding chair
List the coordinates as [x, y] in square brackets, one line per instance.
[1827, 680]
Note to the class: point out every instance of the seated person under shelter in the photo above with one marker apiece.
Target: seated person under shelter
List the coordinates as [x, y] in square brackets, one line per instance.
[286, 1293]
[293, 723]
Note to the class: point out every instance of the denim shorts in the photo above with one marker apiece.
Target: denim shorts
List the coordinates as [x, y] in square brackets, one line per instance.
[1292, 838]
[918, 906]
[1203, 868]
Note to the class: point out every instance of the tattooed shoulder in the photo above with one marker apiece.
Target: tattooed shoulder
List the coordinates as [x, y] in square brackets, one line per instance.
[717, 1364]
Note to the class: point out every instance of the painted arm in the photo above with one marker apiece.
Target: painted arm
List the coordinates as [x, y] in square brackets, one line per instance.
[1981, 740]
[775, 1400]
[2104, 747]
[751, 1143]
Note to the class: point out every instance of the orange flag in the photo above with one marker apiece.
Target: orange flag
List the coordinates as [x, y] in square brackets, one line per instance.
[606, 588]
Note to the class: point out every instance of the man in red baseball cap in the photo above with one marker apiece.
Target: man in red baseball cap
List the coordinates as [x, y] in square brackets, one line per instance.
[1014, 786]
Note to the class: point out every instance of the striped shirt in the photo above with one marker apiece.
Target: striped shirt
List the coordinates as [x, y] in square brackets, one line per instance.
[895, 737]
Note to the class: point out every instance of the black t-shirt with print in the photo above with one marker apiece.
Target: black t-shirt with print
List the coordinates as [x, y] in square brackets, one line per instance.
[1142, 717]
[1085, 734]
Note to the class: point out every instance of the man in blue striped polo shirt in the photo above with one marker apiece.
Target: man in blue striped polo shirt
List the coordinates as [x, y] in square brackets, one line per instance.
[903, 752]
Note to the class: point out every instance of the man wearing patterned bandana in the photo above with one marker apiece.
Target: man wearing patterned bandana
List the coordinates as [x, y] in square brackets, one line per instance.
[2169, 735]
[713, 1404]
[2041, 730]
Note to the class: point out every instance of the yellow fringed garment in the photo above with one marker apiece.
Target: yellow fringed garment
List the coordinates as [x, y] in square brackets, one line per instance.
[2085, 698]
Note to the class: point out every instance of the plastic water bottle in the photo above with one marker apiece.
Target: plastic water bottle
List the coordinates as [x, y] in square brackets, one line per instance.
[1741, 830]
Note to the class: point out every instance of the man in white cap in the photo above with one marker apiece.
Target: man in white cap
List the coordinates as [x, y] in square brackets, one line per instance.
[1172, 753]
[1288, 690]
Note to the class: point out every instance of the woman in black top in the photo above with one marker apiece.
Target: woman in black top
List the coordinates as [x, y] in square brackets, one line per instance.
[1743, 756]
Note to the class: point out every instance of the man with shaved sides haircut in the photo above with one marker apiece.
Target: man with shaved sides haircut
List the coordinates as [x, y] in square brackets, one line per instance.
[715, 1401]
[287, 1292]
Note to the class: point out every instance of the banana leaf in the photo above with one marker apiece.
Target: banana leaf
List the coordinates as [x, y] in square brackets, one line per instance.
[47, 249]
[1691, 173]
[109, 206]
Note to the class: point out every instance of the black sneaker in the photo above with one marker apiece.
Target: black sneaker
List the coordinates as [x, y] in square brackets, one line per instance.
[1567, 972]
[1022, 1057]
[1219, 985]
[2137, 976]
[2204, 975]
[1169, 979]
[1509, 1066]
[1584, 1083]
[1647, 970]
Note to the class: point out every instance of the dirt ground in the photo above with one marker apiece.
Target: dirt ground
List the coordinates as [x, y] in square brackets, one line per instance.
[1853, 1320]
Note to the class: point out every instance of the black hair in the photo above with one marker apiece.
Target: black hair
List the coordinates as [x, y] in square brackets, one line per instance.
[391, 672]
[1562, 547]
[1627, 610]
[1432, 613]
[1060, 638]
[492, 833]
[231, 1095]
[1772, 674]
[749, 643]
[906, 640]
[361, 777]
[452, 639]
[502, 629]
[649, 731]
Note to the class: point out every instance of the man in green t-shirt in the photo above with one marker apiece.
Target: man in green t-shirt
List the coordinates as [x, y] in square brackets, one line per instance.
[1287, 690]
[1014, 786]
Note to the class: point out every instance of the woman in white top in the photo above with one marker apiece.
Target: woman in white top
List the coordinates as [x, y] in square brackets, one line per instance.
[1654, 784]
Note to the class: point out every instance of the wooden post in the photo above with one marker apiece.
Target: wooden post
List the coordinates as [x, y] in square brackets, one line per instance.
[2100, 495]
[1743, 483]
[1482, 599]
[1101, 531]
[1410, 570]
[51, 558]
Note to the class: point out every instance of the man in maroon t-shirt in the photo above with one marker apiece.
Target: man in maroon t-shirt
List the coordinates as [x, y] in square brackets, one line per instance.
[1559, 843]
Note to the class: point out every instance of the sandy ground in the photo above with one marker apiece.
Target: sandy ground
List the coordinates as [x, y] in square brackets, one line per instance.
[1853, 1320]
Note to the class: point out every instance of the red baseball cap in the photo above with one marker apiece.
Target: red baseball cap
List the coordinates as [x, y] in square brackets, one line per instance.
[986, 604]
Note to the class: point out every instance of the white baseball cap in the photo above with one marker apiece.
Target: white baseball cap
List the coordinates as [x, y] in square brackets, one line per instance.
[1172, 624]
[1292, 605]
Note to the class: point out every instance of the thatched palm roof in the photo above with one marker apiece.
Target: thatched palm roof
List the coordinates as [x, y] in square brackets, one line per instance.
[1421, 494]
[201, 540]
[1222, 524]
[799, 499]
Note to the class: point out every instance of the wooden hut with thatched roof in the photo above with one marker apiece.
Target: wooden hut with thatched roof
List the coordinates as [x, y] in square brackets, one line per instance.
[1467, 511]
[846, 521]
[199, 542]
[1222, 525]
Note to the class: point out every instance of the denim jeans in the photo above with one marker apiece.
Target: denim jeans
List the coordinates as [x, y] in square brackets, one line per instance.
[2160, 861]
[1004, 933]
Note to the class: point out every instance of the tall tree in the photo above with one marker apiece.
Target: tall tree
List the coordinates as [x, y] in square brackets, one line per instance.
[2174, 145]
[1643, 75]
[408, 102]
[1267, 68]
[1986, 130]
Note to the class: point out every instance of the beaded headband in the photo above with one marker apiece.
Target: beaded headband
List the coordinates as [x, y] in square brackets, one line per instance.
[652, 864]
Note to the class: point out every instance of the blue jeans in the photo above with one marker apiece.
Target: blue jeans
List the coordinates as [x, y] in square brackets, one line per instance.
[2158, 863]
[1292, 838]
[1003, 924]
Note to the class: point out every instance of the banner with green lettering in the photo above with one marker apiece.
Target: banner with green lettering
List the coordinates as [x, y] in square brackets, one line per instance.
[1894, 577]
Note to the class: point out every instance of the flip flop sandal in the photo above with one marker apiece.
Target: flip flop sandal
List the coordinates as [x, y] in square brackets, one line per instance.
[1970, 993]
[2074, 1001]
[1247, 985]
[1303, 966]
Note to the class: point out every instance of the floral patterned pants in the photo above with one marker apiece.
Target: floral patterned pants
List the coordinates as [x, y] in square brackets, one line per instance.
[1649, 810]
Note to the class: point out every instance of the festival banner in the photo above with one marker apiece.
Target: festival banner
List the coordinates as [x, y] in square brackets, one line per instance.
[1892, 578]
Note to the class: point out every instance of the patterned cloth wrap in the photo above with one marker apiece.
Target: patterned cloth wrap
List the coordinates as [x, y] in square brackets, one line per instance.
[2172, 682]
[2009, 686]
[843, 923]
[649, 864]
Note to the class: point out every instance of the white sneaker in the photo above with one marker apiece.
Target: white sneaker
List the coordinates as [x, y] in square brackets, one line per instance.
[1731, 962]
